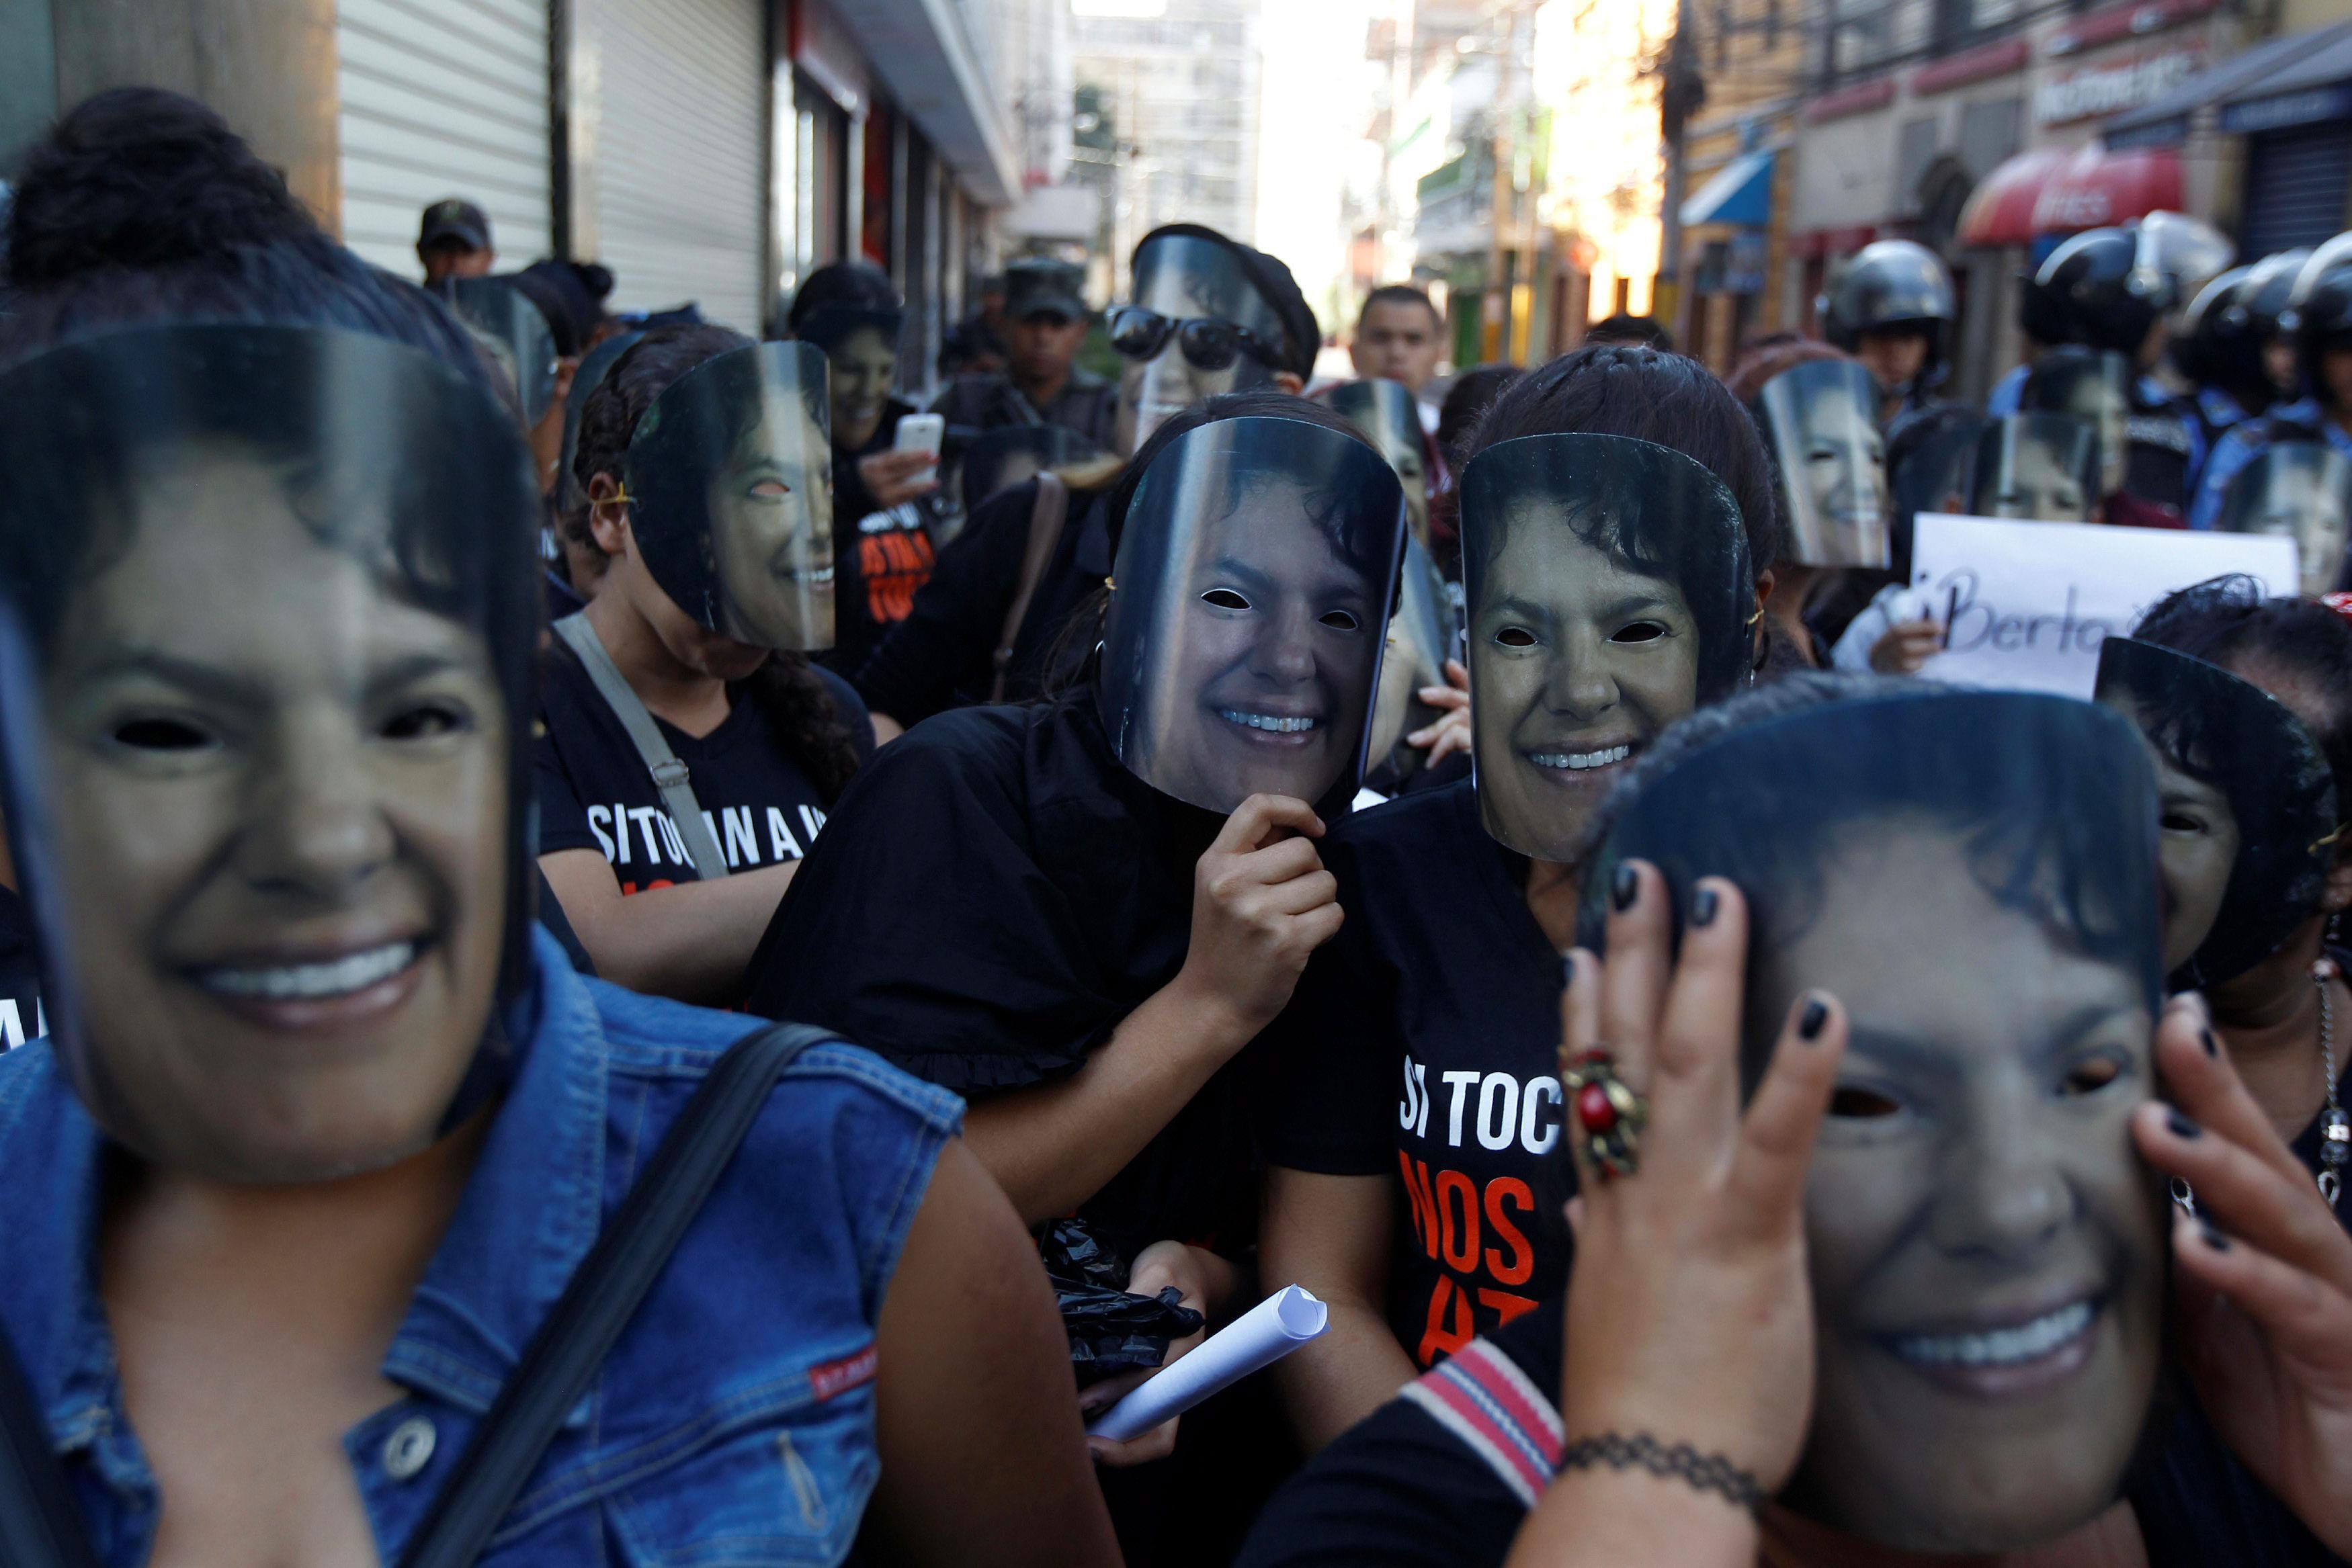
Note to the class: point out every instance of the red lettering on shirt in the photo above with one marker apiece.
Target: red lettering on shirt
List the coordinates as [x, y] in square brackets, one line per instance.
[1465, 1257]
[1522, 1262]
[894, 565]
[1449, 1327]
[829, 1378]
[1424, 1206]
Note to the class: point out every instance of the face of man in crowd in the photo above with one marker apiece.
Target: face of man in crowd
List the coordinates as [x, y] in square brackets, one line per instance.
[1986, 1253]
[455, 258]
[1578, 660]
[1894, 356]
[1267, 673]
[772, 529]
[1044, 345]
[282, 837]
[1398, 341]
[862, 364]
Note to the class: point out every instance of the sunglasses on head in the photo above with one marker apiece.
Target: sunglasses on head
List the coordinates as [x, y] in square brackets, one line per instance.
[1209, 343]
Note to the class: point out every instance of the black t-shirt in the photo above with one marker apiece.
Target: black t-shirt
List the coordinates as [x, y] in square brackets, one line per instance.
[993, 896]
[1423, 1044]
[880, 557]
[943, 655]
[595, 792]
[21, 1017]
[1087, 404]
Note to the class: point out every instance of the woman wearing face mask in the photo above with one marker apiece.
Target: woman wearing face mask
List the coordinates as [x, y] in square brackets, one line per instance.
[883, 536]
[326, 1126]
[1113, 890]
[1615, 504]
[722, 503]
[1711, 1352]
[2240, 697]
[1829, 461]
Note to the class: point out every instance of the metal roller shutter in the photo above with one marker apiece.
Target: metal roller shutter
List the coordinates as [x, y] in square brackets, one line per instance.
[679, 170]
[443, 97]
[2295, 187]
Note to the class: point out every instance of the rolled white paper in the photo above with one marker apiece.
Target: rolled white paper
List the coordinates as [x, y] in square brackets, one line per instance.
[1259, 1337]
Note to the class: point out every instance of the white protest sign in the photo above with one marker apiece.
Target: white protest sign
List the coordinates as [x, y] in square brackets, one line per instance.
[2030, 602]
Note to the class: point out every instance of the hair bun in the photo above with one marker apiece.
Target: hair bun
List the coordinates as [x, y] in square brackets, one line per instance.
[138, 177]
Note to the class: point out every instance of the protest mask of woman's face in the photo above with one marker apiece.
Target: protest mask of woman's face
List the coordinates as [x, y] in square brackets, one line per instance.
[1187, 278]
[2246, 804]
[731, 477]
[1609, 590]
[1972, 875]
[270, 628]
[1254, 576]
[2037, 467]
[1832, 462]
[2302, 490]
[1391, 420]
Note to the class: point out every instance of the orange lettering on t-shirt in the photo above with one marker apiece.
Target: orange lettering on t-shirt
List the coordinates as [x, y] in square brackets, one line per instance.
[1424, 1206]
[1504, 1305]
[1449, 1327]
[1466, 1257]
[1522, 1258]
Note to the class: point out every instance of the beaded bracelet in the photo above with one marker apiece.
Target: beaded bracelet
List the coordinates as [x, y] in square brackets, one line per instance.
[1708, 1472]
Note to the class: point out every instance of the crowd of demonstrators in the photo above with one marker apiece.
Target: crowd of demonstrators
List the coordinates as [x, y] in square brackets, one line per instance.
[593, 968]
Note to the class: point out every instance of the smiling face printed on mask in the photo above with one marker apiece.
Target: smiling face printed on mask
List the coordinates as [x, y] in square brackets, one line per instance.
[1385, 412]
[1605, 578]
[2302, 490]
[1243, 643]
[730, 473]
[2042, 468]
[274, 856]
[2095, 388]
[1972, 876]
[1196, 327]
[1832, 462]
[2246, 801]
[864, 361]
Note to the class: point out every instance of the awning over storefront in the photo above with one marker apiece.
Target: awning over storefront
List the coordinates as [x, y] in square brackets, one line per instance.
[1740, 193]
[2294, 80]
[2049, 191]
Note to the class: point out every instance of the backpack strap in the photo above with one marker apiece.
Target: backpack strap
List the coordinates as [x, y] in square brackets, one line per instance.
[670, 776]
[1051, 510]
[40, 1526]
[560, 1365]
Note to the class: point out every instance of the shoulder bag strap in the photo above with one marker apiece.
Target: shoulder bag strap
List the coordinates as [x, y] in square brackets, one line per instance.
[669, 774]
[562, 1362]
[1045, 520]
[39, 1527]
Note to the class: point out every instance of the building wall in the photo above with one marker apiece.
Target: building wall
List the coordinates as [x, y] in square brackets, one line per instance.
[267, 66]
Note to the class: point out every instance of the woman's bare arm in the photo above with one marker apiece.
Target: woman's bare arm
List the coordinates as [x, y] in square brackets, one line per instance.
[1331, 1235]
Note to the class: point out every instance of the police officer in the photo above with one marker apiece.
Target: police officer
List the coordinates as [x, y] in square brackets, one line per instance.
[2317, 324]
[2229, 345]
[2113, 290]
[1892, 307]
[1041, 384]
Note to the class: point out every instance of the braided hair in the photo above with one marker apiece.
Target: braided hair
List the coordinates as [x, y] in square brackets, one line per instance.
[786, 689]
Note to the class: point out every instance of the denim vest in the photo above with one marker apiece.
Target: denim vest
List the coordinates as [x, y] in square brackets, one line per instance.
[733, 1423]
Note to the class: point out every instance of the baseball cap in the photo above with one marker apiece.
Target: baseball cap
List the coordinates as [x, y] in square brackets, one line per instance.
[1034, 285]
[454, 218]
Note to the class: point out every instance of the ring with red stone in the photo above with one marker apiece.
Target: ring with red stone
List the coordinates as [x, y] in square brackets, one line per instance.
[1604, 1115]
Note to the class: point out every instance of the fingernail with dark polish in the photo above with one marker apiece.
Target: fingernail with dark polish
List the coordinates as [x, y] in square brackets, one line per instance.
[1703, 907]
[2181, 1126]
[1623, 886]
[1816, 1014]
[2212, 1046]
[2212, 1238]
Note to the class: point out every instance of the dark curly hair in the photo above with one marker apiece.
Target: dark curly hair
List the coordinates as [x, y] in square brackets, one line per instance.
[1617, 389]
[142, 205]
[786, 689]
